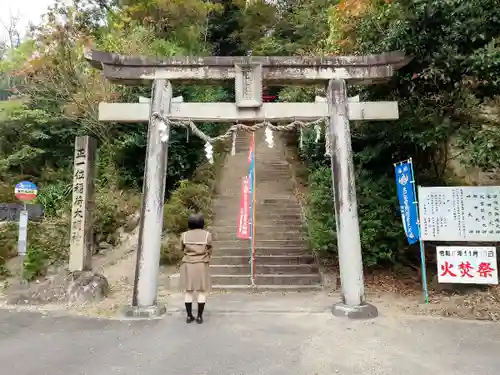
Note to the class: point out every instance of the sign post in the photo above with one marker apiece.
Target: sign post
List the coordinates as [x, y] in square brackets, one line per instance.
[25, 191]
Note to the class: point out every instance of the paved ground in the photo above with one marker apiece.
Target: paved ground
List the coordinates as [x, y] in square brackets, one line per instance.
[248, 335]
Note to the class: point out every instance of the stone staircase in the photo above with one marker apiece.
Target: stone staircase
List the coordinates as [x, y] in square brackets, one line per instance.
[283, 260]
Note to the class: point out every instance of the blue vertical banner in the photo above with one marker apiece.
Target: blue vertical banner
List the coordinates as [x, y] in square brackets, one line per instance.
[405, 184]
[251, 177]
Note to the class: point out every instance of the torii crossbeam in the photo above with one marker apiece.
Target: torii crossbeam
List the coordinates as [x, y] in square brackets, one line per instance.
[249, 73]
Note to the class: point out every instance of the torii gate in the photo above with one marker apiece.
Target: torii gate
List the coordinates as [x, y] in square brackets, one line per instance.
[249, 73]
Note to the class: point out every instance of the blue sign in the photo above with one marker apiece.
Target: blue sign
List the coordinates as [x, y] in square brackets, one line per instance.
[407, 200]
[26, 191]
[251, 176]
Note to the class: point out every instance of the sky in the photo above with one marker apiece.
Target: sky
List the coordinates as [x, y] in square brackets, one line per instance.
[28, 11]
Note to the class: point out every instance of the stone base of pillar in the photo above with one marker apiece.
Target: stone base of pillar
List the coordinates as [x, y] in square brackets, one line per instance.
[364, 311]
[148, 312]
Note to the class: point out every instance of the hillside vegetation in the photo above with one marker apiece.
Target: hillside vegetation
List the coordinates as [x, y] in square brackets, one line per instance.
[443, 95]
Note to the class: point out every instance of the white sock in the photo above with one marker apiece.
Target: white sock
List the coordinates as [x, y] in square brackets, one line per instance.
[202, 297]
[188, 297]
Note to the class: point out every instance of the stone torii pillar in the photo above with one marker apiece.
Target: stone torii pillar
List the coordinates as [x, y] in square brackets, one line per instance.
[249, 73]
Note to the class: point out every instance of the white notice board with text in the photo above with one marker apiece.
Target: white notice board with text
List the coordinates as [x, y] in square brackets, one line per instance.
[470, 213]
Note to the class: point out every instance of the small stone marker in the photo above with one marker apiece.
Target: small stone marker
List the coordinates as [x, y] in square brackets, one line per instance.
[81, 241]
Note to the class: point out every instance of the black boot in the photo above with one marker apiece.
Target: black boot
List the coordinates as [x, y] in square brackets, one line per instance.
[199, 318]
[189, 311]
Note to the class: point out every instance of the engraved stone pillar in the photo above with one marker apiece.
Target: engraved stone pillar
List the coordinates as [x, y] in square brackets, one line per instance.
[81, 240]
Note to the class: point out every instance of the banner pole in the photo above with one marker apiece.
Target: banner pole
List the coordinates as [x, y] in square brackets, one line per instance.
[253, 211]
[421, 242]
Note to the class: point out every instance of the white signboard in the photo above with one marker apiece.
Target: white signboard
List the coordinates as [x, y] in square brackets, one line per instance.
[22, 242]
[467, 265]
[469, 213]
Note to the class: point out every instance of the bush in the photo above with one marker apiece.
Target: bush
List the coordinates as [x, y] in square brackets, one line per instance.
[8, 241]
[49, 240]
[320, 213]
[55, 199]
[189, 197]
[170, 250]
[380, 225]
[7, 193]
[52, 237]
[112, 210]
[35, 263]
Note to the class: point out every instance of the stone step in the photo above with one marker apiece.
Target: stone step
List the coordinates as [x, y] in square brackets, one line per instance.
[270, 165]
[261, 269]
[231, 280]
[227, 206]
[260, 169]
[285, 174]
[299, 228]
[267, 288]
[278, 221]
[223, 244]
[262, 259]
[291, 279]
[262, 212]
[281, 199]
[264, 172]
[234, 198]
[290, 215]
[234, 203]
[274, 181]
[273, 176]
[229, 200]
[285, 205]
[288, 200]
[223, 269]
[259, 206]
[260, 251]
[271, 218]
[283, 260]
[262, 191]
[262, 235]
[274, 162]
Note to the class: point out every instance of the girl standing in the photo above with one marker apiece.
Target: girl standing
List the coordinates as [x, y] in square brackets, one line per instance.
[196, 245]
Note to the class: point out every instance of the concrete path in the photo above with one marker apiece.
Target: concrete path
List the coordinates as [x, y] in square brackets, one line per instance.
[248, 335]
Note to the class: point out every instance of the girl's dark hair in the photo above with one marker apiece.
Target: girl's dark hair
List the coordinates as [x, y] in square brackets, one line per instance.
[196, 221]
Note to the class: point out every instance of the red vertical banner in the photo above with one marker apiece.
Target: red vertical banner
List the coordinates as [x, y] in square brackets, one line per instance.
[244, 212]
